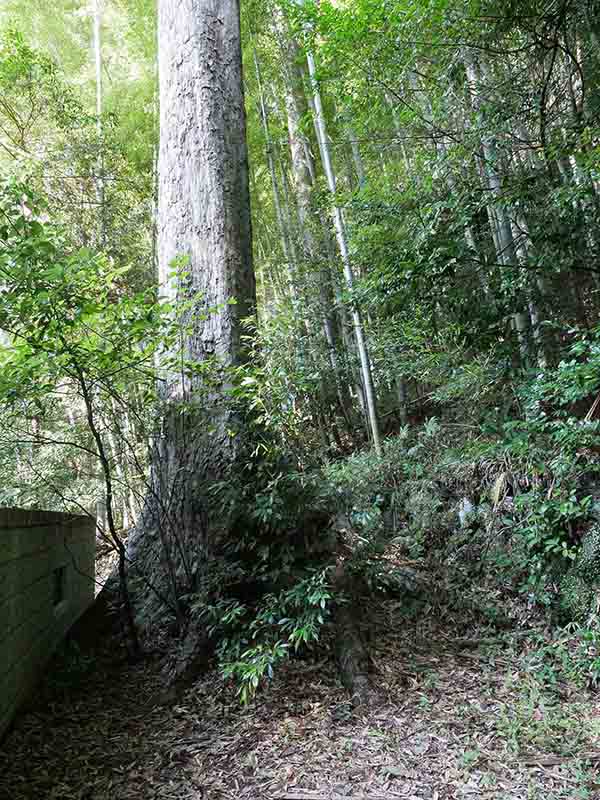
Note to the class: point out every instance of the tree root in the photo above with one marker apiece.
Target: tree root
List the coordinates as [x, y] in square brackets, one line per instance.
[350, 649]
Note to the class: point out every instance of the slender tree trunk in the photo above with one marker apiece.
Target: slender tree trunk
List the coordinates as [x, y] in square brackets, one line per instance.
[311, 222]
[398, 130]
[338, 221]
[283, 231]
[402, 395]
[100, 181]
[107, 475]
[501, 224]
[359, 166]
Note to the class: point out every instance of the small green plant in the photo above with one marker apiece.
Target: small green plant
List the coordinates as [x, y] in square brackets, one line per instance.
[537, 722]
[550, 527]
[470, 758]
[586, 651]
[254, 639]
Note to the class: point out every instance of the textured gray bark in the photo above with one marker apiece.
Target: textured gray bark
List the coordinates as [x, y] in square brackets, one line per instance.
[204, 223]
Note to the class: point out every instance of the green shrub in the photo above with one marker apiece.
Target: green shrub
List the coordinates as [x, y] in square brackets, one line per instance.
[254, 638]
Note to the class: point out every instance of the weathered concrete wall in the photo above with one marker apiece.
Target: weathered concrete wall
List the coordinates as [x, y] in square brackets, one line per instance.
[46, 583]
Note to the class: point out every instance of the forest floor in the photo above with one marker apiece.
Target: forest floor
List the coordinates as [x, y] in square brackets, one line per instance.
[460, 709]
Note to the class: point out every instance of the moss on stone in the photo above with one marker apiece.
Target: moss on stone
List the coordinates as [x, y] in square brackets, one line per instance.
[588, 562]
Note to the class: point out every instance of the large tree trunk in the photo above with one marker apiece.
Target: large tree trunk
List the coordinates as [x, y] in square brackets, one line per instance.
[204, 227]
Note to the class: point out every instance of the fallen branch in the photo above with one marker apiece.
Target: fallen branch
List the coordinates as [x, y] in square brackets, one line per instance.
[312, 796]
[553, 761]
[590, 414]
[467, 643]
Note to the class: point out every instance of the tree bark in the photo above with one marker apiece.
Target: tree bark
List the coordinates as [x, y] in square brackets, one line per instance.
[204, 254]
[350, 649]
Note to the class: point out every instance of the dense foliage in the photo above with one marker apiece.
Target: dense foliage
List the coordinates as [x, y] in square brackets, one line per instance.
[446, 154]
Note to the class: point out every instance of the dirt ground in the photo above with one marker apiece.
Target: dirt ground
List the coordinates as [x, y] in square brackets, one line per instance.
[460, 708]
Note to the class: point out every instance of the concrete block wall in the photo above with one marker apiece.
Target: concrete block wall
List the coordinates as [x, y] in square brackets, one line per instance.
[46, 583]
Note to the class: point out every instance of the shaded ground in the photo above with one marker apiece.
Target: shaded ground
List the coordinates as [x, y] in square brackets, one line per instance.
[451, 716]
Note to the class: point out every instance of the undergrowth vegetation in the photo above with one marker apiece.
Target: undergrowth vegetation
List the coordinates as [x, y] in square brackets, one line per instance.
[511, 505]
[393, 392]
